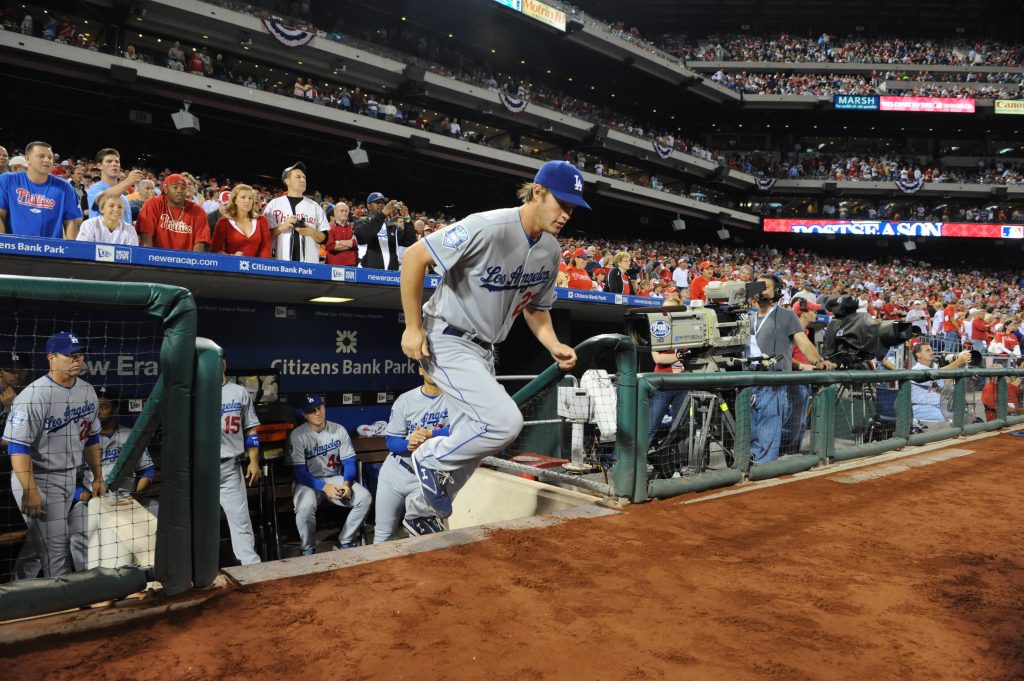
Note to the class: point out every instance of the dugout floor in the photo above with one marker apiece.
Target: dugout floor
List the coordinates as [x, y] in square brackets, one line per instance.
[889, 571]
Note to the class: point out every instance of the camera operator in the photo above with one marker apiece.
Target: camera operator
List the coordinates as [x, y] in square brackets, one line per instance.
[665, 363]
[775, 331]
[386, 230]
[799, 395]
[926, 396]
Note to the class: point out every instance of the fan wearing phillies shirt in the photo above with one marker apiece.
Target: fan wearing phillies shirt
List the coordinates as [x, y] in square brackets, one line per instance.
[297, 223]
[35, 203]
[577, 271]
[173, 222]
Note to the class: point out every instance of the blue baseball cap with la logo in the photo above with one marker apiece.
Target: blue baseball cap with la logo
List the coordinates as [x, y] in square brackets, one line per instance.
[311, 402]
[64, 343]
[564, 180]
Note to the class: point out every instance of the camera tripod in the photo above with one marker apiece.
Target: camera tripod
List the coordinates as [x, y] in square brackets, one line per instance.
[700, 437]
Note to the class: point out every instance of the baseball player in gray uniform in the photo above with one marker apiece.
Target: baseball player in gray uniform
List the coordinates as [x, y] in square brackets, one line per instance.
[324, 467]
[493, 266]
[238, 434]
[416, 416]
[52, 426]
[112, 440]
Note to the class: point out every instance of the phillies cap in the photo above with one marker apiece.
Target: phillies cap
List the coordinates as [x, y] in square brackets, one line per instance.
[580, 253]
[375, 197]
[563, 180]
[706, 264]
[311, 402]
[64, 343]
[175, 178]
[297, 166]
[801, 305]
[224, 197]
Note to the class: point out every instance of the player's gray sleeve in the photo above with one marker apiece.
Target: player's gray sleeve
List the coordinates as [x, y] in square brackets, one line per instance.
[297, 443]
[249, 418]
[399, 418]
[458, 241]
[145, 460]
[545, 298]
[25, 422]
[94, 430]
[346, 450]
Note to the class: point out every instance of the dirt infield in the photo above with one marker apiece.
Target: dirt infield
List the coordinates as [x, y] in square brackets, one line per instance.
[915, 575]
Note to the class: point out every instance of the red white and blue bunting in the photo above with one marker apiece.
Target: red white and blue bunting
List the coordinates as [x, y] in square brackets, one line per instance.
[663, 146]
[910, 186]
[766, 184]
[515, 104]
[287, 35]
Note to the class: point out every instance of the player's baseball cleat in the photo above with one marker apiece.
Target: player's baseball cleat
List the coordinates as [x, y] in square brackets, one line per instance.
[417, 527]
[340, 546]
[432, 484]
[308, 552]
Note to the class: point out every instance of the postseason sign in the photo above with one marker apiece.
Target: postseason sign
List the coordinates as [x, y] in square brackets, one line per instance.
[887, 228]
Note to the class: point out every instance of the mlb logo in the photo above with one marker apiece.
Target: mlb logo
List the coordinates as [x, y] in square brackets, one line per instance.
[243, 266]
[122, 255]
[1013, 232]
[104, 253]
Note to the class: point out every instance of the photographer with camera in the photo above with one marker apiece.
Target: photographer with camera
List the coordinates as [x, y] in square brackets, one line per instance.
[926, 396]
[386, 232]
[775, 331]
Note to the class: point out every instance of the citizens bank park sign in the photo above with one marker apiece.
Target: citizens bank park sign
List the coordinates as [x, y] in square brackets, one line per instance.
[886, 228]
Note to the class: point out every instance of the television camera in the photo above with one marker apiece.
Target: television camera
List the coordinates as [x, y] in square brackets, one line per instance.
[853, 340]
[707, 339]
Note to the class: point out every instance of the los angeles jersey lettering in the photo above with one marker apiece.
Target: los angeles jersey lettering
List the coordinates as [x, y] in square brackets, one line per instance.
[500, 272]
[414, 409]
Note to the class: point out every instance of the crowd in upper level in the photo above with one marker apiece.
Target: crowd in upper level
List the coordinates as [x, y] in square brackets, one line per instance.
[851, 49]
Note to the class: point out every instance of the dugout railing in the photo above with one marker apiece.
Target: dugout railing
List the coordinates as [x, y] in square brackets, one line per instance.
[848, 418]
[183, 402]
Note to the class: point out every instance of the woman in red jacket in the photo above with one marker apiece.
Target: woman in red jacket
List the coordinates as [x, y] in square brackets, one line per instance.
[242, 230]
[341, 245]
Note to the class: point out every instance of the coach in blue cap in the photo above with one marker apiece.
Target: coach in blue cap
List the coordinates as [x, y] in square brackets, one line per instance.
[494, 266]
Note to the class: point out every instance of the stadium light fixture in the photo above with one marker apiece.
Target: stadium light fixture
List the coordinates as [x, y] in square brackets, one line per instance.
[360, 159]
[909, 245]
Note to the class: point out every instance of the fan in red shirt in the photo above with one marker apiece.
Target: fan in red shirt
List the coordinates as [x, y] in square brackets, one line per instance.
[578, 277]
[990, 397]
[171, 221]
[242, 230]
[697, 284]
[341, 244]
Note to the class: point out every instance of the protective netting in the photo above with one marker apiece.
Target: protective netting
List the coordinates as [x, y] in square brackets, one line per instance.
[73, 383]
[574, 422]
[690, 432]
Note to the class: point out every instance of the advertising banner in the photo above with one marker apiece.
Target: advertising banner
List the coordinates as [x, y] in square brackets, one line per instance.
[926, 104]
[1013, 107]
[855, 102]
[544, 13]
[887, 228]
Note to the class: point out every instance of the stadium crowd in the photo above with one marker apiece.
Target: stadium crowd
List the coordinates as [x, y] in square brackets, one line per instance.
[829, 84]
[852, 49]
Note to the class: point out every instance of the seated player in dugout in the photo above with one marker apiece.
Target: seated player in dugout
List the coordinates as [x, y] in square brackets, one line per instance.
[323, 465]
[416, 416]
